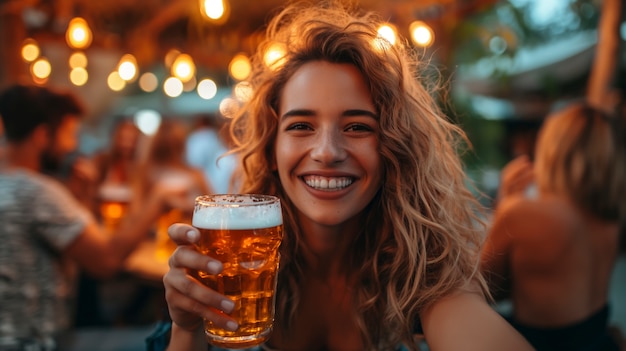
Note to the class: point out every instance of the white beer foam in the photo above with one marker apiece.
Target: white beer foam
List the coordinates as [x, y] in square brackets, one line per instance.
[115, 192]
[237, 215]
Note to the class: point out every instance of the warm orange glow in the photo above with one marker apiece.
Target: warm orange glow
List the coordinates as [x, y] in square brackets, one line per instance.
[183, 68]
[114, 210]
[421, 34]
[127, 67]
[239, 67]
[387, 32]
[78, 59]
[79, 76]
[274, 56]
[216, 11]
[41, 68]
[115, 82]
[30, 50]
[78, 34]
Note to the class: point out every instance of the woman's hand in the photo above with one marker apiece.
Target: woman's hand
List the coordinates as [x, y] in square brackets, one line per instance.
[188, 300]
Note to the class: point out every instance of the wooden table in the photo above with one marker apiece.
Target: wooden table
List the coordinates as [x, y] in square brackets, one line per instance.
[144, 263]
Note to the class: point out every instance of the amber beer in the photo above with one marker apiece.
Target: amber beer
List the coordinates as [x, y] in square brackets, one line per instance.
[243, 232]
[164, 245]
[173, 181]
[114, 201]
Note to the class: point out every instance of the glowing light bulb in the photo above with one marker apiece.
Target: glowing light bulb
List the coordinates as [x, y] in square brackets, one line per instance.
[216, 11]
[421, 34]
[148, 82]
[183, 68]
[274, 56]
[240, 67]
[30, 50]
[127, 67]
[41, 68]
[207, 89]
[79, 76]
[78, 34]
[388, 33]
[173, 87]
[78, 59]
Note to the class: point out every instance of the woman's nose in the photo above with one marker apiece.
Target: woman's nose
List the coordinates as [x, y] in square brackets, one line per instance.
[329, 147]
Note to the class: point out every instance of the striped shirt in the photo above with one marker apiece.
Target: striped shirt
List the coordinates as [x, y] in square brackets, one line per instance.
[39, 218]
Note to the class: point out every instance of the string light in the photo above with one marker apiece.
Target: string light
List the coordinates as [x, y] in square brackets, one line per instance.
[79, 76]
[239, 67]
[183, 68]
[78, 59]
[207, 89]
[115, 82]
[274, 56]
[217, 11]
[41, 68]
[30, 50]
[148, 82]
[173, 87]
[387, 32]
[127, 67]
[421, 34]
[78, 34]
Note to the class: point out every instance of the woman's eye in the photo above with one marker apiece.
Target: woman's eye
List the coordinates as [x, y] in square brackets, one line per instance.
[298, 126]
[357, 127]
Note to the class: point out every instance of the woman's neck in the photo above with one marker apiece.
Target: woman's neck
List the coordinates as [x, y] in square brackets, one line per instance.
[328, 248]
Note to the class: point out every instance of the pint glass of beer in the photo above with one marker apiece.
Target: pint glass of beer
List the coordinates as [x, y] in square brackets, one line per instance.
[244, 233]
[114, 200]
[174, 181]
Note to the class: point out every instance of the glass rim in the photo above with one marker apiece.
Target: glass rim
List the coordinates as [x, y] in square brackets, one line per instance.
[235, 200]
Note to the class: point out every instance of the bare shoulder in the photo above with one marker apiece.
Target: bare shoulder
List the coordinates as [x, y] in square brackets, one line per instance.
[534, 219]
[465, 321]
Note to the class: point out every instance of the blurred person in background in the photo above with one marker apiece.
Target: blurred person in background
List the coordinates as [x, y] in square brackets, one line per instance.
[46, 233]
[115, 168]
[206, 150]
[109, 198]
[165, 167]
[554, 253]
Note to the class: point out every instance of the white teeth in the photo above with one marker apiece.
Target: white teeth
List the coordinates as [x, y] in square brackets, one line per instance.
[326, 183]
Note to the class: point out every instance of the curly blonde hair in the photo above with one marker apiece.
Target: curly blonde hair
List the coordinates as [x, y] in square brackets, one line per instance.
[423, 232]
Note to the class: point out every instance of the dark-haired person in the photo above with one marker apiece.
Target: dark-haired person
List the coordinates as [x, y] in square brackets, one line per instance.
[44, 232]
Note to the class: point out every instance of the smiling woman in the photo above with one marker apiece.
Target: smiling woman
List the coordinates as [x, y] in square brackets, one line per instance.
[327, 146]
[381, 237]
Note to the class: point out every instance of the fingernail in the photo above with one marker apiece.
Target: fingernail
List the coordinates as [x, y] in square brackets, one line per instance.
[227, 306]
[214, 267]
[192, 235]
[232, 326]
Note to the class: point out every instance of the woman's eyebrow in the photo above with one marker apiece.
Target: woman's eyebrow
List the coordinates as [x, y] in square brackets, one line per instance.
[359, 112]
[297, 112]
[346, 113]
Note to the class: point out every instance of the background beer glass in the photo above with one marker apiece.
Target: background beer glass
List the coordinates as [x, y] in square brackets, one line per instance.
[244, 233]
[114, 201]
[176, 182]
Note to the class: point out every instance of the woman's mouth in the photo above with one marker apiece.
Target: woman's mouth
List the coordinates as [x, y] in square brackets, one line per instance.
[327, 183]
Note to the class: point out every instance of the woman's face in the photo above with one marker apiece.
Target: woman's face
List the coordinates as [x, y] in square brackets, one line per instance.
[327, 148]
